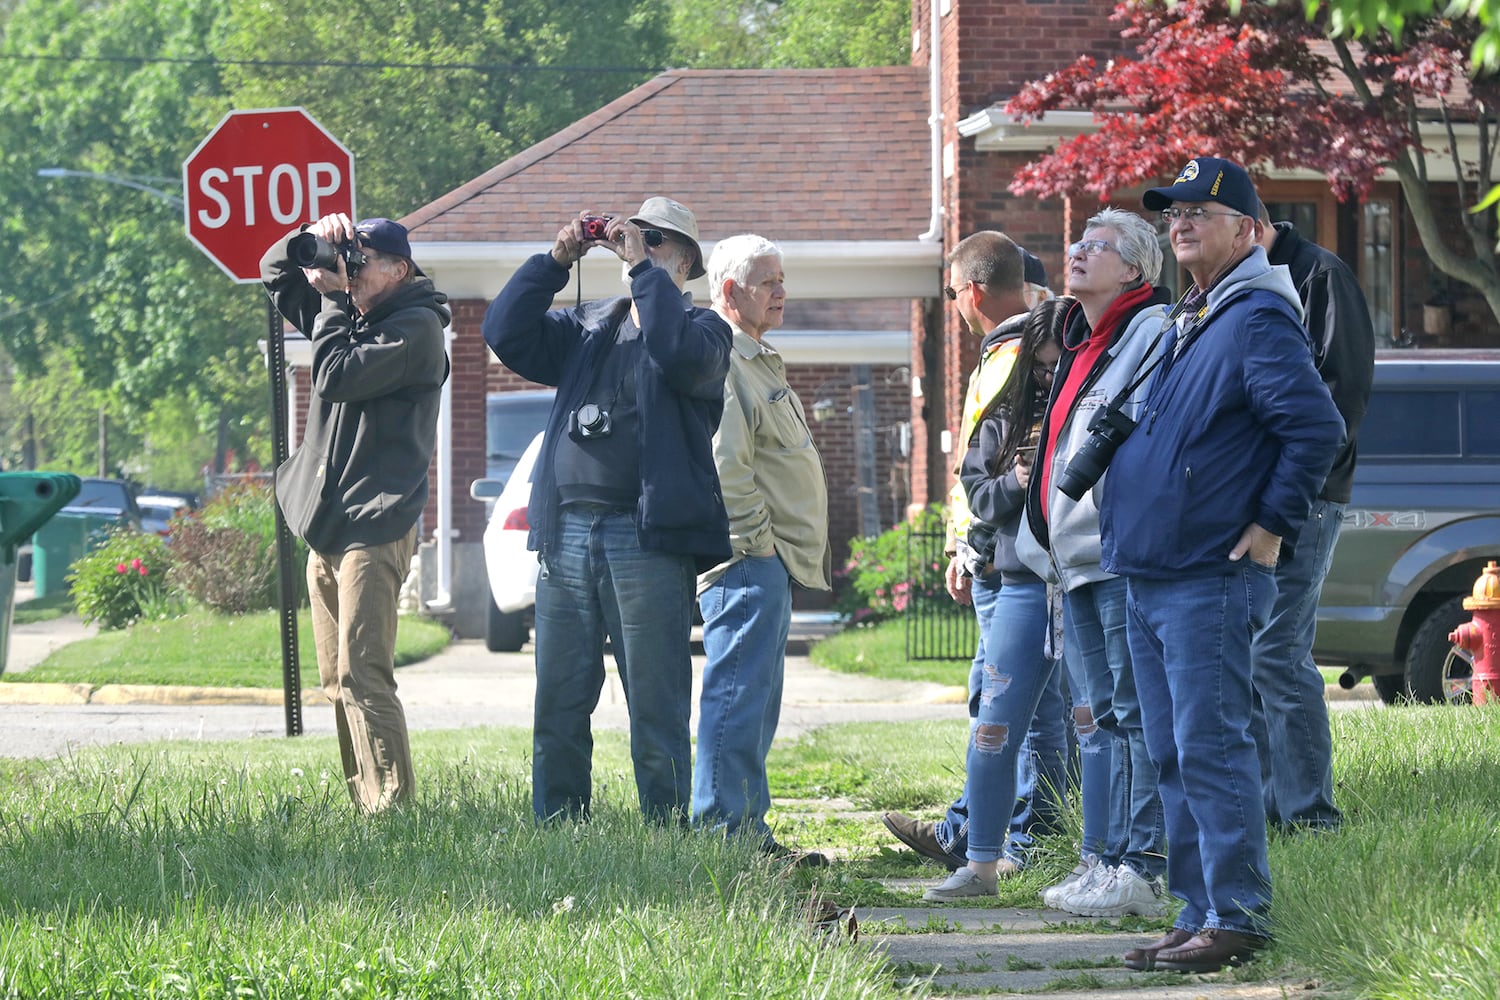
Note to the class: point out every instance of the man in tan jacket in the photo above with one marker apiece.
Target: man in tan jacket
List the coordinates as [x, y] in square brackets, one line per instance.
[777, 501]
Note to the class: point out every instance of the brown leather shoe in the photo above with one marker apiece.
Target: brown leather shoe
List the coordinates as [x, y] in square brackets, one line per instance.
[921, 837]
[1144, 959]
[1210, 950]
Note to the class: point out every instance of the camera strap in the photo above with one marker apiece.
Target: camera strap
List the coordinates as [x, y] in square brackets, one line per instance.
[1188, 335]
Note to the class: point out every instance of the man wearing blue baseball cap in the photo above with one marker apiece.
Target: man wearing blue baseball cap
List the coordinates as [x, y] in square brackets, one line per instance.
[355, 488]
[1233, 439]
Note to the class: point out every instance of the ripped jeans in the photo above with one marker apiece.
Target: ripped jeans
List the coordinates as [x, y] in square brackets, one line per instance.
[1016, 672]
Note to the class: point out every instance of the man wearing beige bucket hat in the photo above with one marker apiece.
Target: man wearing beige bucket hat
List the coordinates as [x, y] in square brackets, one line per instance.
[625, 506]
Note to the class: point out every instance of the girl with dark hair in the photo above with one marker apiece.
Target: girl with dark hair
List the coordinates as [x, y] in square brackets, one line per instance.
[995, 473]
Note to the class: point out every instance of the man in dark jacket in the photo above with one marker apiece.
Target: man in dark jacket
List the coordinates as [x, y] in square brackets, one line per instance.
[355, 488]
[1235, 436]
[626, 508]
[1291, 721]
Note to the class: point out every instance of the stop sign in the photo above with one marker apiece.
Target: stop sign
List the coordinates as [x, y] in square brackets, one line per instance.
[257, 175]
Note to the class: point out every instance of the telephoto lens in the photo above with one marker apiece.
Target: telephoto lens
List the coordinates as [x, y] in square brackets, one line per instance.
[1107, 432]
[307, 250]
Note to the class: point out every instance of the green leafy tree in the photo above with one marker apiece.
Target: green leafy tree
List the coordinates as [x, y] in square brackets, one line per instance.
[428, 94]
[101, 274]
[791, 33]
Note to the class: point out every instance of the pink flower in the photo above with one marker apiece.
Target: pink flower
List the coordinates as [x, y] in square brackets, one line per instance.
[120, 568]
[142, 569]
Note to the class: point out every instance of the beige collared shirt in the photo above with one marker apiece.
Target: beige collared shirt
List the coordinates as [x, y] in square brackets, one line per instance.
[769, 469]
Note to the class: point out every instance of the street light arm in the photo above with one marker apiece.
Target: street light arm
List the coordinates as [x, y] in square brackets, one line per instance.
[121, 179]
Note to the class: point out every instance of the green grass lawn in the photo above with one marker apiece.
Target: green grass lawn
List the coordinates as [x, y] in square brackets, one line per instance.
[241, 869]
[880, 651]
[207, 649]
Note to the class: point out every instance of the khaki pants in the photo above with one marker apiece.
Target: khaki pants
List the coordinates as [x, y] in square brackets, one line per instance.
[354, 596]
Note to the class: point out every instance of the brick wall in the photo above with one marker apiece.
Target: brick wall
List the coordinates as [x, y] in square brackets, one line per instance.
[990, 48]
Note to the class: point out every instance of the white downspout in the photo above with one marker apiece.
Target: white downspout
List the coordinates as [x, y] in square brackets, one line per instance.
[934, 232]
[444, 533]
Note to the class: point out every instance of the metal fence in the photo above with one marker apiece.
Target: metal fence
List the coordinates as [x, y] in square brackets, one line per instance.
[937, 627]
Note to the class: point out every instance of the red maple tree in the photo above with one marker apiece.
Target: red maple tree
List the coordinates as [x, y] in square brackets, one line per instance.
[1267, 86]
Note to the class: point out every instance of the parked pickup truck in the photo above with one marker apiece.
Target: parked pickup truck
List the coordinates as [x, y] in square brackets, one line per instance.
[1423, 520]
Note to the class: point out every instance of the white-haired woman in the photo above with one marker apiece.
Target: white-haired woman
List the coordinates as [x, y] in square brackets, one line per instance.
[1107, 339]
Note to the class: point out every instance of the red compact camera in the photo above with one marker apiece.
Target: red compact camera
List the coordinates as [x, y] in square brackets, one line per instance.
[594, 227]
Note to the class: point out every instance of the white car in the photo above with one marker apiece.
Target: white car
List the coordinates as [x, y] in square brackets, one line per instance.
[510, 566]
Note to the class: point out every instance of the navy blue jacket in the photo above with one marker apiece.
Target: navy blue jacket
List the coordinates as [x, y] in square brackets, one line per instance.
[1238, 428]
[680, 394]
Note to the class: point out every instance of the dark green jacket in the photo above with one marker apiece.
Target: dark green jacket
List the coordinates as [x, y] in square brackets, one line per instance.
[359, 476]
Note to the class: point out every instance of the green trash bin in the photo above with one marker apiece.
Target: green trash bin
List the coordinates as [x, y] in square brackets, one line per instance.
[7, 600]
[61, 542]
[27, 500]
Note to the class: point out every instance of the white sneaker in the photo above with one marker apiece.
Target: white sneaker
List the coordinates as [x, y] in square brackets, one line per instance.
[1086, 874]
[965, 883]
[1122, 894]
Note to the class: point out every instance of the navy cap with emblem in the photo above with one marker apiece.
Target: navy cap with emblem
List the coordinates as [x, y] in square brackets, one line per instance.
[1208, 178]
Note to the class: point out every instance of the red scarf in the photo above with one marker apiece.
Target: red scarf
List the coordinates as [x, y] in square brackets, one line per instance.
[1085, 355]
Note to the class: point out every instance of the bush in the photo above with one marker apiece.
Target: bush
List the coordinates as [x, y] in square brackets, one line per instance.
[123, 580]
[896, 570]
[226, 552]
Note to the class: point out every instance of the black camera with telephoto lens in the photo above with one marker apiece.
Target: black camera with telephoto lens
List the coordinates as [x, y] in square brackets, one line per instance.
[308, 250]
[1107, 431]
[589, 421]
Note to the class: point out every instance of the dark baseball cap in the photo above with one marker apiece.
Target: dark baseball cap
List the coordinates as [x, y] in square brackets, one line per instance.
[1036, 274]
[387, 237]
[1208, 178]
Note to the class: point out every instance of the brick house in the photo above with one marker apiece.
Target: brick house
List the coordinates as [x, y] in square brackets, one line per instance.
[831, 164]
[865, 177]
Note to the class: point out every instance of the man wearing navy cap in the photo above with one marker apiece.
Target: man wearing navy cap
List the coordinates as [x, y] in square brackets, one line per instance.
[1233, 440]
[355, 487]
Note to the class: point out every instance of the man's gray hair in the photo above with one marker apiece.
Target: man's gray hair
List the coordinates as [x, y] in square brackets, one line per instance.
[1137, 241]
[733, 258]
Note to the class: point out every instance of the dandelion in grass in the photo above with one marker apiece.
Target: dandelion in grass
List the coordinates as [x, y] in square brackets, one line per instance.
[297, 772]
[564, 905]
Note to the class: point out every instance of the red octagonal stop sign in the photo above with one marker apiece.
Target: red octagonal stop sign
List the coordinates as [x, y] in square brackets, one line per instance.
[257, 175]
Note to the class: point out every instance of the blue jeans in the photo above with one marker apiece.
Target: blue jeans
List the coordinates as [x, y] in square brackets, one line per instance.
[1290, 720]
[1037, 774]
[1190, 647]
[599, 582]
[1016, 671]
[747, 614]
[1095, 754]
[1096, 623]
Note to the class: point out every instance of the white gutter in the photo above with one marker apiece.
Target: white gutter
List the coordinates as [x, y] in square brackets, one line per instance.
[817, 269]
[934, 232]
[443, 535]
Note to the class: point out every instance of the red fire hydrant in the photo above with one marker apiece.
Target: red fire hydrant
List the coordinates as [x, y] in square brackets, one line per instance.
[1481, 636]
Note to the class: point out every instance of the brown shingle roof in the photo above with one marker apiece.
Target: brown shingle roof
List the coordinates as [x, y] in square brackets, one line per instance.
[833, 154]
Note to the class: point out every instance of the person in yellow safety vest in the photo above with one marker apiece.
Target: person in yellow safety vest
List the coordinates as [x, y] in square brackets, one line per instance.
[993, 283]
[991, 310]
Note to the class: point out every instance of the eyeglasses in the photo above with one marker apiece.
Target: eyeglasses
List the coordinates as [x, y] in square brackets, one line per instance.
[1090, 248]
[653, 237]
[1043, 371]
[1193, 216]
[952, 292]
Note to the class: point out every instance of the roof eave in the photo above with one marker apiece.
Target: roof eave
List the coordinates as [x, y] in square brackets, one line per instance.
[821, 269]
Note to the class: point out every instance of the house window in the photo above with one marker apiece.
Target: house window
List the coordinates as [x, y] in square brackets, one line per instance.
[1377, 267]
